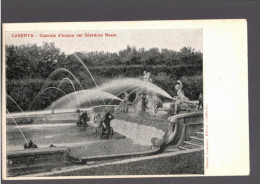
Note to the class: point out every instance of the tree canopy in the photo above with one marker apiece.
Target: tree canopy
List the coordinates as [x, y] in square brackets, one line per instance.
[32, 61]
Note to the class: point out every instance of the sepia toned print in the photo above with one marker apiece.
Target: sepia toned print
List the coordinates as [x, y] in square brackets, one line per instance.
[103, 102]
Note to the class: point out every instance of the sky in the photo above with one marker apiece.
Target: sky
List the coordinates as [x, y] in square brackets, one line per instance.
[174, 39]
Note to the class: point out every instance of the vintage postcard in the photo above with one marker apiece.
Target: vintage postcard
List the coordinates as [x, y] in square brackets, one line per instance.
[125, 99]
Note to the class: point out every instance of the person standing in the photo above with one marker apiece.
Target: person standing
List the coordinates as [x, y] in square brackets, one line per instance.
[200, 101]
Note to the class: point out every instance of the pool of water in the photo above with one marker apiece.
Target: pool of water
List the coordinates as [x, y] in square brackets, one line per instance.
[82, 142]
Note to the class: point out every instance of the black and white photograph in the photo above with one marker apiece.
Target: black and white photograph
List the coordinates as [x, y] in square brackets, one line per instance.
[115, 102]
[122, 100]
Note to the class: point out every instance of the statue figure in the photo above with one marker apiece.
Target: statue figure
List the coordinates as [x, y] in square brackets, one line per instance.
[153, 101]
[123, 106]
[180, 98]
[150, 104]
[143, 102]
[30, 145]
[137, 102]
[146, 102]
[107, 129]
[147, 76]
[100, 127]
[83, 118]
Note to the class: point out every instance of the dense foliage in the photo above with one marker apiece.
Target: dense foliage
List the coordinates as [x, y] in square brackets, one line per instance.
[27, 67]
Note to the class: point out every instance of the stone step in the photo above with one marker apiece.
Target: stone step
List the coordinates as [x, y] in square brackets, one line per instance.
[182, 148]
[171, 149]
[199, 135]
[202, 129]
[189, 144]
[197, 140]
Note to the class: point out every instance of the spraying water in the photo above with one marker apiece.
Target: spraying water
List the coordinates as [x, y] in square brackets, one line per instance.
[73, 88]
[118, 84]
[96, 95]
[64, 79]
[18, 127]
[44, 91]
[126, 90]
[17, 105]
[46, 83]
[72, 85]
[90, 76]
[122, 92]
[134, 90]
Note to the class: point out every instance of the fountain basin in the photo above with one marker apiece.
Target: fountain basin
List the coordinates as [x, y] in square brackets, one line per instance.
[84, 144]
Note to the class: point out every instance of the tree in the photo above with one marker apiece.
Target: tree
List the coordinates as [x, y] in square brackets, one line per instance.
[32, 61]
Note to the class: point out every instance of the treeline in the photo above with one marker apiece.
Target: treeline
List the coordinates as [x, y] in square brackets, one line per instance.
[32, 61]
[27, 67]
